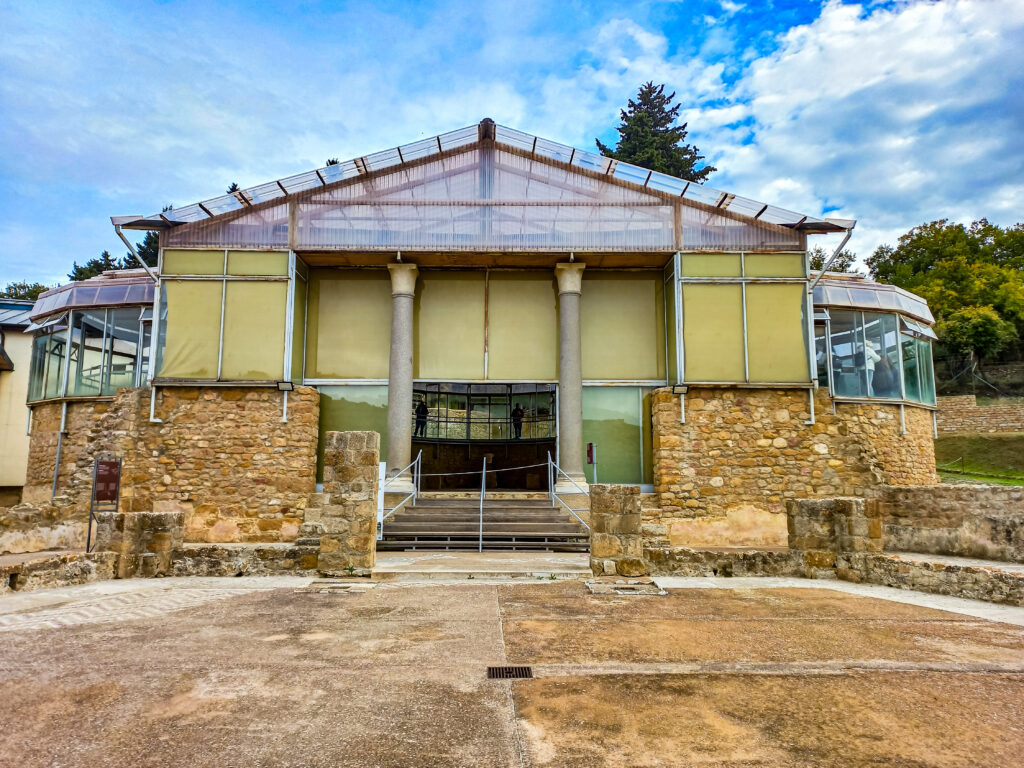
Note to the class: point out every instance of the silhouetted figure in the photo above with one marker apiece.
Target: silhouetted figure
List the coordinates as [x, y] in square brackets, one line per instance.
[517, 421]
[421, 419]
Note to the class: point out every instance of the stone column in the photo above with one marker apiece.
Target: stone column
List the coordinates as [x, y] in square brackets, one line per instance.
[403, 290]
[570, 375]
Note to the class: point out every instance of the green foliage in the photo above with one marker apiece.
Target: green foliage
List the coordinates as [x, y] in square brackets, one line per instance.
[976, 329]
[972, 278]
[94, 267]
[843, 263]
[331, 161]
[649, 137]
[23, 290]
[233, 187]
[148, 251]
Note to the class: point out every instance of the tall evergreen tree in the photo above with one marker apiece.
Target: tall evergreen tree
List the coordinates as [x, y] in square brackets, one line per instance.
[649, 137]
[93, 267]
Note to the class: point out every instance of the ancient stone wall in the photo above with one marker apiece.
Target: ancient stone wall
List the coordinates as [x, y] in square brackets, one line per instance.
[963, 414]
[220, 455]
[347, 521]
[143, 542]
[725, 474]
[54, 524]
[983, 521]
[75, 448]
[616, 543]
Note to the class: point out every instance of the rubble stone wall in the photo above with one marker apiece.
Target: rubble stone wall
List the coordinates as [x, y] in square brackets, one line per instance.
[983, 521]
[221, 456]
[347, 519]
[963, 414]
[143, 542]
[724, 475]
[54, 524]
[616, 542]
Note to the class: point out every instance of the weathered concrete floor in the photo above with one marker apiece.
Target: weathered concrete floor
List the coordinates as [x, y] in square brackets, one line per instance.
[249, 672]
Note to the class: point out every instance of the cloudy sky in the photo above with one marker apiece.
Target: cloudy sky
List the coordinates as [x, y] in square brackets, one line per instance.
[893, 113]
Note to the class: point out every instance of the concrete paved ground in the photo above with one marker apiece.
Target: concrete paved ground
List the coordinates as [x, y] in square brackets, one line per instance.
[258, 672]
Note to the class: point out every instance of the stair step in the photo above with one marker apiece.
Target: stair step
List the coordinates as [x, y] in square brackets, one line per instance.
[468, 517]
[471, 527]
[552, 546]
[488, 503]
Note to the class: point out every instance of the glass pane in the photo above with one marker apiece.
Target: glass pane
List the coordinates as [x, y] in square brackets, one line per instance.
[821, 354]
[38, 370]
[611, 421]
[713, 332]
[776, 333]
[911, 382]
[881, 357]
[147, 337]
[356, 407]
[87, 353]
[122, 349]
[54, 363]
[849, 376]
[924, 350]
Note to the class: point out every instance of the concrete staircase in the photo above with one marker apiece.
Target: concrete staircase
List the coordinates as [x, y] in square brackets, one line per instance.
[510, 522]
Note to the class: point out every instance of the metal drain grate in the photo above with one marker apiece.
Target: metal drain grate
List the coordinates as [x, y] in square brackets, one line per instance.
[509, 673]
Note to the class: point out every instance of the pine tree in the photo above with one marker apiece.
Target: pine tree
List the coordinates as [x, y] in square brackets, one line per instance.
[649, 137]
[93, 267]
[233, 187]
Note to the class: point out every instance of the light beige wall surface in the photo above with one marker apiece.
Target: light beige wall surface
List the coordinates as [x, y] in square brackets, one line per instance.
[13, 411]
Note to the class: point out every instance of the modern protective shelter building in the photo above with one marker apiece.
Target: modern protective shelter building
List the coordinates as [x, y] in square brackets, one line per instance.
[533, 297]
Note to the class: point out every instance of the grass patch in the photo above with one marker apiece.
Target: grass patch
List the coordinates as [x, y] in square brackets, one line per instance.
[955, 478]
[997, 456]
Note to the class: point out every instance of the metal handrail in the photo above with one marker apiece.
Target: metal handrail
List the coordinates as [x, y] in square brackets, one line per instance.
[553, 471]
[416, 465]
[483, 493]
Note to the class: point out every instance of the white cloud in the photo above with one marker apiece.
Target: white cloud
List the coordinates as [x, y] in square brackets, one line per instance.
[893, 115]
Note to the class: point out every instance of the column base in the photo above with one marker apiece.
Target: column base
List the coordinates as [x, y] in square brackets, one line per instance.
[402, 484]
[563, 486]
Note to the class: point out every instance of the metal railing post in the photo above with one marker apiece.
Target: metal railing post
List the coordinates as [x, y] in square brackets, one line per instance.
[483, 492]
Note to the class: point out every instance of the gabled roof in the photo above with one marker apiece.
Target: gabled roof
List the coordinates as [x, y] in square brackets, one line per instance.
[490, 135]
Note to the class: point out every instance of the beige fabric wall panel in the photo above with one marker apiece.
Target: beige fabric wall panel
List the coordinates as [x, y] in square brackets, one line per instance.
[623, 325]
[257, 263]
[776, 348]
[522, 316]
[178, 262]
[254, 320]
[713, 332]
[298, 328]
[710, 265]
[348, 330]
[448, 335]
[774, 265]
[192, 330]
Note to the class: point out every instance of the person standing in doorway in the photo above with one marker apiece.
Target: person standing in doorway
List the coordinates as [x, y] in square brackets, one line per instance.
[517, 421]
[421, 419]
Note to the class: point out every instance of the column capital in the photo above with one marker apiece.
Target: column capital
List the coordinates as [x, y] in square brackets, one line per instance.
[569, 276]
[403, 279]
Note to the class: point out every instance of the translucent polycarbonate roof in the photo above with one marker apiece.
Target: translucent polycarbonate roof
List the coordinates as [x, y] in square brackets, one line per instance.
[536, 148]
[871, 297]
[130, 287]
[486, 197]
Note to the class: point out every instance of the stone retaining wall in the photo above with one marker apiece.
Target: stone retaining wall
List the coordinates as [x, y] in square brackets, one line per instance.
[221, 456]
[56, 570]
[963, 414]
[57, 523]
[982, 521]
[724, 475]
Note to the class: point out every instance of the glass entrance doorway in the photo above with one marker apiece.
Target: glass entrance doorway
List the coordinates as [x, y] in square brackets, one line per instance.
[457, 425]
